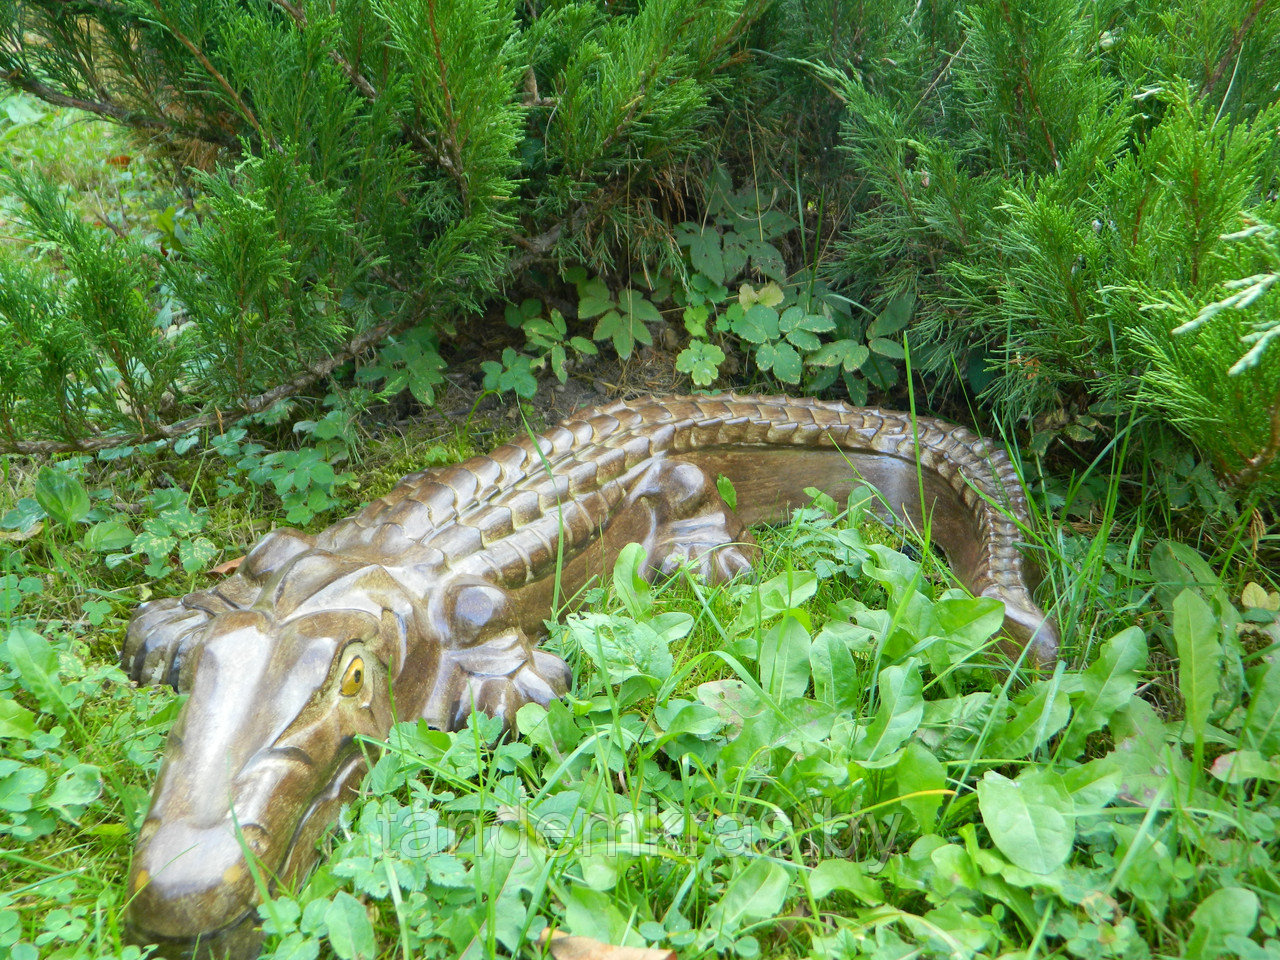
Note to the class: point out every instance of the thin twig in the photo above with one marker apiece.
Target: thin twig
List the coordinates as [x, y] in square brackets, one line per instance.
[1237, 41]
[211, 70]
[113, 111]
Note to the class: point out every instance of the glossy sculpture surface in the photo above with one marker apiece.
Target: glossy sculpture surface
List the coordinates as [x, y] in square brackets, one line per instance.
[426, 602]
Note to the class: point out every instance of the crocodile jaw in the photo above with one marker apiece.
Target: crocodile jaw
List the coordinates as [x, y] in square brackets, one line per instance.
[273, 750]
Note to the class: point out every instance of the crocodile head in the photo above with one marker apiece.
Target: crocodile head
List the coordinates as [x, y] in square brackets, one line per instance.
[261, 755]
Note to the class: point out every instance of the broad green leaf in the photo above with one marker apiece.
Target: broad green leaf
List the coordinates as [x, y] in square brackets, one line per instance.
[350, 932]
[804, 340]
[1196, 632]
[196, 554]
[784, 361]
[835, 675]
[919, 771]
[757, 893]
[898, 714]
[724, 486]
[629, 584]
[895, 316]
[677, 717]
[635, 307]
[626, 648]
[1177, 566]
[593, 913]
[732, 700]
[735, 254]
[108, 535]
[766, 259]
[887, 348]
[695, 320]
[62, 496]
[758, 324]
[1031, 819]
[1034, 720]
[155, 539]
[1241, 765]
[1107, 685]
[595, 299]
[19, 784]
[848, 354]
[706, 254]
[1094, 784]
[1222, 914]
[817, 323]
[769, 295]
[847, 875]
[24, 516]
[701, 361]
[37, 665]
[784, 659]
[967, 623]
[16, 721]
[790, 319]
[76, 788]
[787, 591]
[1262, 721]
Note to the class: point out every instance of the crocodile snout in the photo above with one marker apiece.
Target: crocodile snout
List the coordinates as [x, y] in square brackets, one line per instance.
[191, 881]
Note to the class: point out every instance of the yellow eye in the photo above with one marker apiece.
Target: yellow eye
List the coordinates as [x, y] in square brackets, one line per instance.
[353, 679]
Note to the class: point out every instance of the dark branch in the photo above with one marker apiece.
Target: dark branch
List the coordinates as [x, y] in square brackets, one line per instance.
[115, 112]
[1233, 48]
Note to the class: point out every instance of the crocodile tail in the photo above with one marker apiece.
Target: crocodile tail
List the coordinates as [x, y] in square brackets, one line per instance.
[959, 489]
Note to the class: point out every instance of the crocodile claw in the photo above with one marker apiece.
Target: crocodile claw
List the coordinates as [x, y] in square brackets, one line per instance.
[539, 678]
[158, 639]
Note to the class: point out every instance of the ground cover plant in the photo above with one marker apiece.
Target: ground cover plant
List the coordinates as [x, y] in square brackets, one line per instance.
[1056, 221]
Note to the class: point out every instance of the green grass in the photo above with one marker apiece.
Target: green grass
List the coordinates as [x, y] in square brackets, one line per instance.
[828, 761]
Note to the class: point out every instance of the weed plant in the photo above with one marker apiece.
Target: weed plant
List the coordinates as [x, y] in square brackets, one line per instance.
[831, 760]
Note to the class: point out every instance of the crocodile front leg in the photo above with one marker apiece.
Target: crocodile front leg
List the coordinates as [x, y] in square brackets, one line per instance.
[690, 524]
[164, 634]
[488, 662]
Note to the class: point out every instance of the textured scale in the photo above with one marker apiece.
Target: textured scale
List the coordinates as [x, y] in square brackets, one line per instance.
[516, 492]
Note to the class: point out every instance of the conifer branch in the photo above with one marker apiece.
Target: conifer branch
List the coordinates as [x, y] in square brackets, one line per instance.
[1024, 67]
[450, 115]
[1255, 465]
[210, 69]
[370, 93]
[1233, 48]
[307, 376]
[114, 111]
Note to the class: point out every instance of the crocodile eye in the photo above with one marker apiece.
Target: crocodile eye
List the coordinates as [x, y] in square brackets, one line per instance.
[353, 679]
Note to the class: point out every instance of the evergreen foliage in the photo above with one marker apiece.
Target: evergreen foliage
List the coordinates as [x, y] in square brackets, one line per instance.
[375, 164]
[1060, 185]
[1036, 194]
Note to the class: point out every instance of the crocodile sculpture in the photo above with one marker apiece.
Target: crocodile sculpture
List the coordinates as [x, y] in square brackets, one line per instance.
[425, 604]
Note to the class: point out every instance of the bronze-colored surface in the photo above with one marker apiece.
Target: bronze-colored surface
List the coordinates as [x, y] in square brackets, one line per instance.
[424, 605]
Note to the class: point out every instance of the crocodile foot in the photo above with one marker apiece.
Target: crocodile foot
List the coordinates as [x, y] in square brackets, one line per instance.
[498, 678]
[160, 635]
[692, 526]
[487, 663]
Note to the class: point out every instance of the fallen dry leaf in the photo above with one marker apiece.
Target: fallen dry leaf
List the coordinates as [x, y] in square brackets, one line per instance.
[1255, 595]
[17, 536]
[228, 567]
[566, 947]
